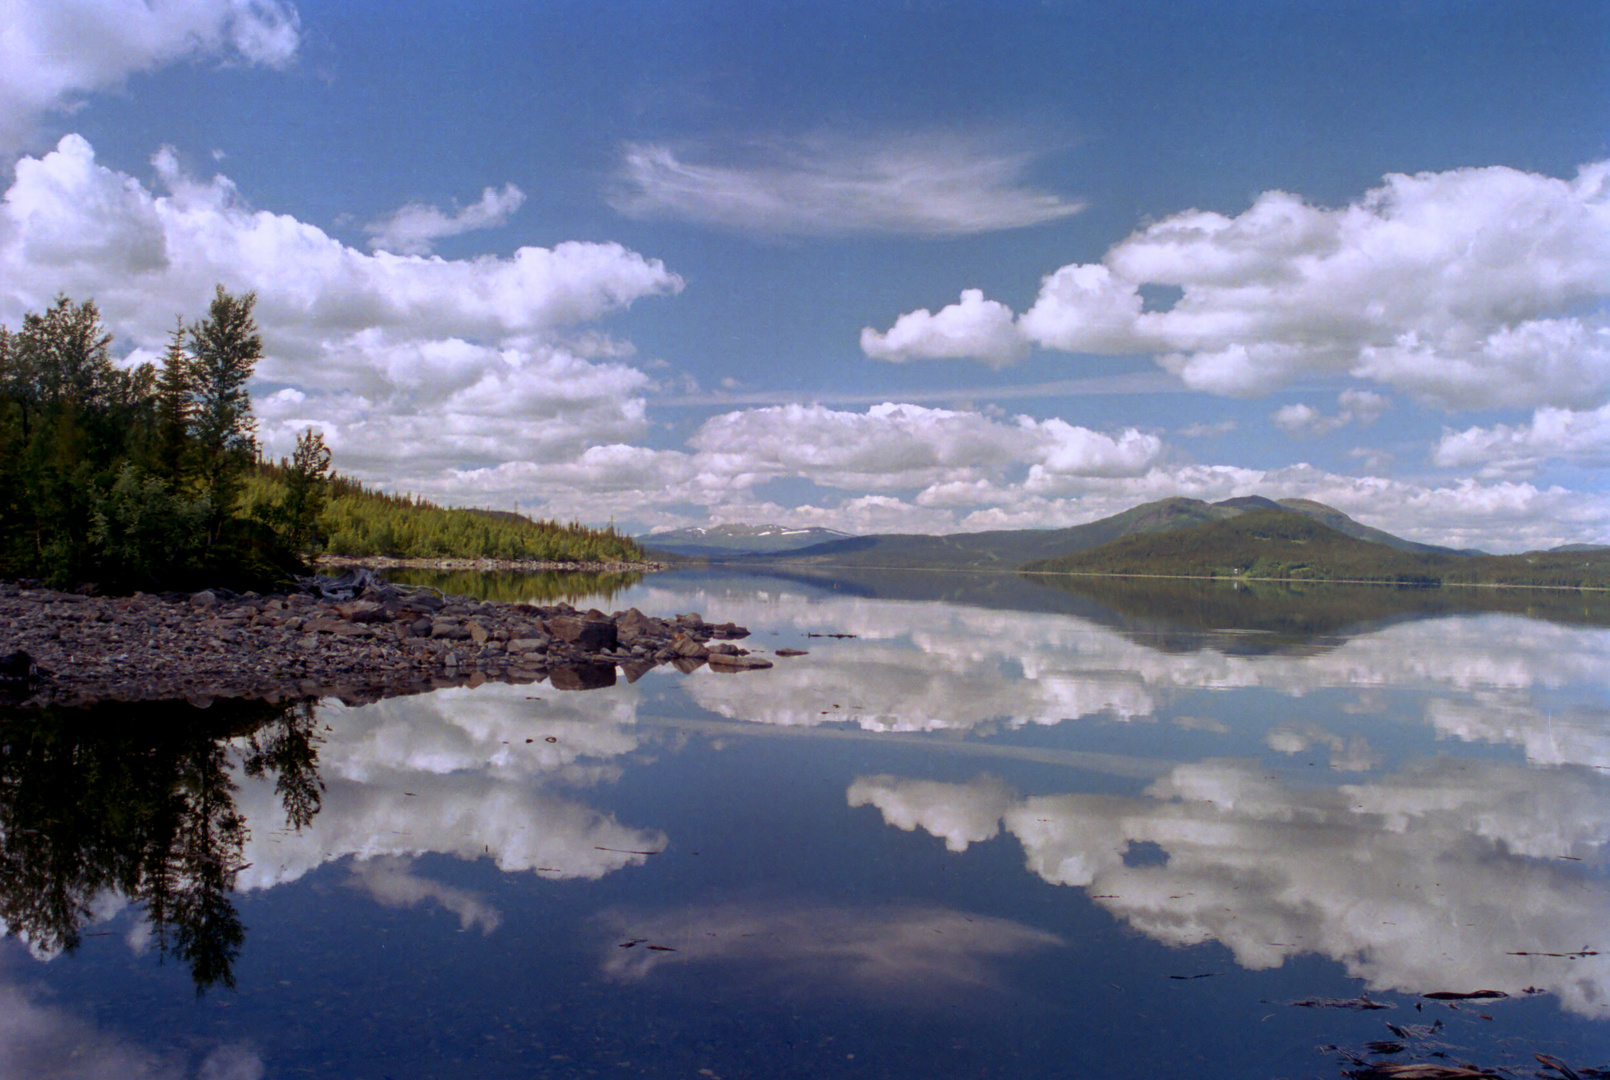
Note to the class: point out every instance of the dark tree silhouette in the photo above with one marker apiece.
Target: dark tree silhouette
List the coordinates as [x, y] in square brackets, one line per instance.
[139, 801]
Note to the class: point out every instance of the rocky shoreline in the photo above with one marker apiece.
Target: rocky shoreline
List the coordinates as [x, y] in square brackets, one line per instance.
[386, 562]
[356, 642]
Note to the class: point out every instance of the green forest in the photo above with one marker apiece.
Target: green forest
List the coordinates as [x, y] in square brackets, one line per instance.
[151, 476]
[1282, 545]
[357, 521]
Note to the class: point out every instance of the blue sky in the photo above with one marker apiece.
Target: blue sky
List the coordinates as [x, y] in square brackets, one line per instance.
[923, 266]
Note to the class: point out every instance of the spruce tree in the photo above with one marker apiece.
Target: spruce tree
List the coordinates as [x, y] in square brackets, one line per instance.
[175, 408]
[307, 487]
[226, 347]
[66, 356]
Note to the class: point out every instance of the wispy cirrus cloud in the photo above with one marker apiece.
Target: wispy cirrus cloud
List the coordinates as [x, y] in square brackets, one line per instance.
[413, 229]
[937, 185]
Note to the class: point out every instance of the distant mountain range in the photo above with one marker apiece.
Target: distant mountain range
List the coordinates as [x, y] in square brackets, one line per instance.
[1245, 538]
[1004, 549]
[722, 540]
[1277, 544]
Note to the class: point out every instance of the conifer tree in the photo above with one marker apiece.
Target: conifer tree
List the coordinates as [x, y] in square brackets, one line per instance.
[307, 486]
[225, 347]
[66, 355]
[175, 409]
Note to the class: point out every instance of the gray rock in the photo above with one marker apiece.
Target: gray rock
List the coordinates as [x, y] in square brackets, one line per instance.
[590, 634]
[362, 611]
[684, 645]
[358, 648]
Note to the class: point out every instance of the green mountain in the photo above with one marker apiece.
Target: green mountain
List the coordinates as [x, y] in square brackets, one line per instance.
[1282, 544]
[1329, 515]
[1008, 549]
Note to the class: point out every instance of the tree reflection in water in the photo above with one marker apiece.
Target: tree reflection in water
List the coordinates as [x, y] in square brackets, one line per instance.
[138, 800]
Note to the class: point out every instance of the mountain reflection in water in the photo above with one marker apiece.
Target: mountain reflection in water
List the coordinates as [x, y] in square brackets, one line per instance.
[996, 804]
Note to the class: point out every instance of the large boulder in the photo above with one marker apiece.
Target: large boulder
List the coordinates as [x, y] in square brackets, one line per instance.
[634, 627]
[362, 611]
[589, 634]
[686, 646]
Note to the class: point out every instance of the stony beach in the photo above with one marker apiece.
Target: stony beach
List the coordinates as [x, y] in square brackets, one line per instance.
[384, 562]
[378, 640]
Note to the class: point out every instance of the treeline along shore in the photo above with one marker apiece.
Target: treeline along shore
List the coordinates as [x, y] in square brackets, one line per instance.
[149, 552]
[151, 477]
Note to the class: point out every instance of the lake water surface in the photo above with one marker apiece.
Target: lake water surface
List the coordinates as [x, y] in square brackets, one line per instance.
[1000, 829]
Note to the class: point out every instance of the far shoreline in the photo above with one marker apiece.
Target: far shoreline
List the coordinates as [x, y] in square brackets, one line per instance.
[385, 562]
[1238, 578]
[1223, 578]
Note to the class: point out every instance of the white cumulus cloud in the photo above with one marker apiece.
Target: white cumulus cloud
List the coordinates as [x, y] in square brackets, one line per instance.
[893, 446]
[1361, 406]
[1467, 289]
[52, 52]
[407, 363]
[1582, 438]
[971, 327]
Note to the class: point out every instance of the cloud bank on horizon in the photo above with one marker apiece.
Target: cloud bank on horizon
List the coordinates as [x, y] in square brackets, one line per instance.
[1467, 302]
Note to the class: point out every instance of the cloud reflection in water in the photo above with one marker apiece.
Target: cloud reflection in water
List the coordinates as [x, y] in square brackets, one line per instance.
[1429, 879]
[40, 1041]
[872, 951]
[920, 666]
[465, 773]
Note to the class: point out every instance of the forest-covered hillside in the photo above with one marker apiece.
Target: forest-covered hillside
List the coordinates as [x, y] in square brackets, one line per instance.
[359, 521]
[1282, 544]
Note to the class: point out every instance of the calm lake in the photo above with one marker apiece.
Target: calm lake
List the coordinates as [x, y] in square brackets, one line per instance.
[986, 827]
